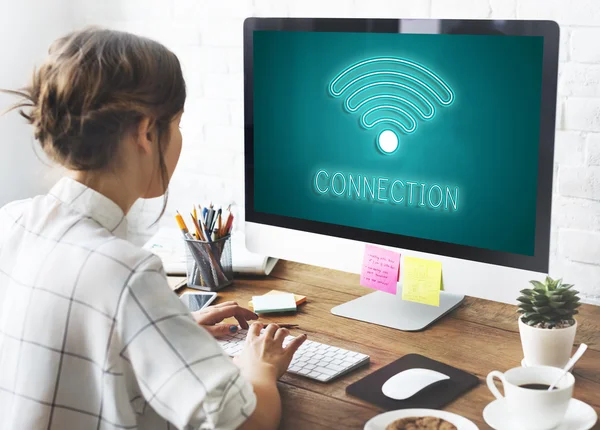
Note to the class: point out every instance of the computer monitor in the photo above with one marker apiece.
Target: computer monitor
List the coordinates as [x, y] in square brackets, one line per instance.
[432, 137]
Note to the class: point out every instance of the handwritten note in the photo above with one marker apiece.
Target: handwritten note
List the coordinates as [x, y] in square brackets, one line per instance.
[422, 281]
[380, 269]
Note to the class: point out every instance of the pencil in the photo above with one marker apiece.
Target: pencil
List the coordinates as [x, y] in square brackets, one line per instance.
[219, 223]
[225, 222]
[229, 224]
[205, 230]
[182, 226]
[284, 325]
[197, 226]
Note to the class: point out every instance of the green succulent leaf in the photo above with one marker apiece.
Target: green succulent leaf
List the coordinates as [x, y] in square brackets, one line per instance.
[541, 309]
[538, 285]
[524, 299]
[557, 305]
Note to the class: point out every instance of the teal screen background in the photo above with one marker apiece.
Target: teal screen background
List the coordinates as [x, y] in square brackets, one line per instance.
[486, 142]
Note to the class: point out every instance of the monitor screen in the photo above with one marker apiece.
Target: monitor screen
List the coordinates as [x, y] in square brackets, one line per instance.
[433, 137]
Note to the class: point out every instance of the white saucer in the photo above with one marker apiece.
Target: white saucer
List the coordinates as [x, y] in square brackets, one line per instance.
[579, 416]
[381, 421]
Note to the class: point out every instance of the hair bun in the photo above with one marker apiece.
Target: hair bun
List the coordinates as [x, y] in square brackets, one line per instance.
[95, 86]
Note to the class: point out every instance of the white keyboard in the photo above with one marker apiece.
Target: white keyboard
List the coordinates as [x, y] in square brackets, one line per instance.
[313, 359]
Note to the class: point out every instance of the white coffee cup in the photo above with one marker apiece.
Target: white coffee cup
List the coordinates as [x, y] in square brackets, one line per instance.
[529, 408]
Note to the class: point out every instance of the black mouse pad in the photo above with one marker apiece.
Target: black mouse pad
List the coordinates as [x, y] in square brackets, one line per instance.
[433, 397]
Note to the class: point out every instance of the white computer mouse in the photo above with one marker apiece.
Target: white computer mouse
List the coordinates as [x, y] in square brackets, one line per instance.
[409, 382]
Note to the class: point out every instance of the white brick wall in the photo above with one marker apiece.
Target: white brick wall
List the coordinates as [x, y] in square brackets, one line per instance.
[207, 36]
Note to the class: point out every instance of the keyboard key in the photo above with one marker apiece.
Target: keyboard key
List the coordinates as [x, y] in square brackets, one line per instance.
[314, 374]
[325, 370]
[335, 367]
[323, 378]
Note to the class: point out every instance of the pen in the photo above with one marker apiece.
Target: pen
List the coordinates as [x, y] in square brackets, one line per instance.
[209, 218]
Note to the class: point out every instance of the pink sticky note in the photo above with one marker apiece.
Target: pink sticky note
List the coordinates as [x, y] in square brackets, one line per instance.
[380, 269]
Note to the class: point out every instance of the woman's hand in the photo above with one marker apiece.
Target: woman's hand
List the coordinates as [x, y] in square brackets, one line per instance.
[264, 357]
[210, 318]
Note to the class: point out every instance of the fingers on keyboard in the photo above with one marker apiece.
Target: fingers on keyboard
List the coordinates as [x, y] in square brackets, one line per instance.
[312, 359]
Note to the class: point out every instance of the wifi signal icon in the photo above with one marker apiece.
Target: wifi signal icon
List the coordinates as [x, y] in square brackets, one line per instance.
[391, 91]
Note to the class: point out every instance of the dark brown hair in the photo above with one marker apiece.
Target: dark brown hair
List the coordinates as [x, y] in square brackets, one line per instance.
[95, 86]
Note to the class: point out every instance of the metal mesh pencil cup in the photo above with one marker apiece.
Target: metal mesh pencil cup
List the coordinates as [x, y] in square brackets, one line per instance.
[208, 264]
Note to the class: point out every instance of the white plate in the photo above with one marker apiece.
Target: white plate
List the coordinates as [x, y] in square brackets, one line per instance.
[579, 416]
[381, 421]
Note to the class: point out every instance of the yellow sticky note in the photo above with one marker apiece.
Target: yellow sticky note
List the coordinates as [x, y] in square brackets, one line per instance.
[422, 281]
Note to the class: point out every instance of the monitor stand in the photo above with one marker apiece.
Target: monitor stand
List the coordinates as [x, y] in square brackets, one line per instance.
[391, 311]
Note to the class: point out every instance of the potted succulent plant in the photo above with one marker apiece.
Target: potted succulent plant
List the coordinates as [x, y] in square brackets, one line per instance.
[547, 324]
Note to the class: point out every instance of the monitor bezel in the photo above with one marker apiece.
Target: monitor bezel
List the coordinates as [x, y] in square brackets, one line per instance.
[549, 30]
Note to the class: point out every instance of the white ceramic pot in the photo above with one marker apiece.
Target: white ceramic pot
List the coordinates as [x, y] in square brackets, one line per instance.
[547, 347]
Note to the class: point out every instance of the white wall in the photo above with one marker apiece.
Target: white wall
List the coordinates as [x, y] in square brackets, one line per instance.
[207, 36]
[27, 27]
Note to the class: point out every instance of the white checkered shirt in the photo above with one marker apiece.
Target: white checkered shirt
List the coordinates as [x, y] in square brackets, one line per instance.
[91, 336]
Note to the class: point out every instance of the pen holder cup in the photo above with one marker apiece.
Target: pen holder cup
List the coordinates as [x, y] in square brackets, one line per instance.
[208, 264]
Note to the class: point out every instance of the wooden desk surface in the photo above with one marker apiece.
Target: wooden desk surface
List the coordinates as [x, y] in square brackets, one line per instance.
[478, 337]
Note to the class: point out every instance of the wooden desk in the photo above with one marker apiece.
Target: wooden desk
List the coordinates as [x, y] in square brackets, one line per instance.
[479, 337]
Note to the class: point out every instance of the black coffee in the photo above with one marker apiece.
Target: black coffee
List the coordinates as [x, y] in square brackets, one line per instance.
[543, 387]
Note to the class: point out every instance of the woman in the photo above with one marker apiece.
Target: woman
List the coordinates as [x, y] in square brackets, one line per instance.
[90, 334]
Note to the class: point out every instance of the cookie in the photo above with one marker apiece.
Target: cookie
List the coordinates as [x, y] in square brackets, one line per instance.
[420, 423]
